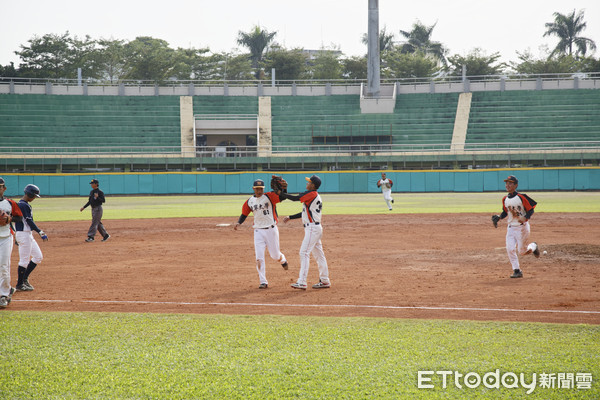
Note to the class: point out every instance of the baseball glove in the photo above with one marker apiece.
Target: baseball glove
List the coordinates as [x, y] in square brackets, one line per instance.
[4, 218]
[495, 219]
[278, 184]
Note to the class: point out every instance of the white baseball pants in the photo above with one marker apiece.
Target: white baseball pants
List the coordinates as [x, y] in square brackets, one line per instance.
[6, 245]
[387, 196]
[516, 243]
[29, 250]
[312, 244]
[266, 239]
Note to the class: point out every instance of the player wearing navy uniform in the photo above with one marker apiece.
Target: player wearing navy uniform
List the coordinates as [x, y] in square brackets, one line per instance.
[311, 215]
[30, 254]
[266, 232]
[519, 208]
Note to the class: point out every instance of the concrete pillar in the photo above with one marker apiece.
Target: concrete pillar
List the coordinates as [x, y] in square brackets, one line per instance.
[373, 73]
[265, 136]
[186, 122]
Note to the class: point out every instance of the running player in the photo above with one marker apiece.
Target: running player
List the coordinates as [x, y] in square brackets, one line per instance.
[386, 188]
[266, 232]
[12, 214]
[518, 207]
[313, 232]
[30, 254]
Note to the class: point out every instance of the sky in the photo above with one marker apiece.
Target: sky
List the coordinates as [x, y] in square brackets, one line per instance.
[462, 25]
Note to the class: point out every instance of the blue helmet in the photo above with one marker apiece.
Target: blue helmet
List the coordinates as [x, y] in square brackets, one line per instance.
[32, 191]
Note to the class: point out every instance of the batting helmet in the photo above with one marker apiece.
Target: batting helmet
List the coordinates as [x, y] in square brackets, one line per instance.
[32, 191]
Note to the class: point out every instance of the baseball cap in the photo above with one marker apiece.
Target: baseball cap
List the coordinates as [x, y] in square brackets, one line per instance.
[512, 178]
[94, 181]
[258, 183]
[315, 180]
[2, 182]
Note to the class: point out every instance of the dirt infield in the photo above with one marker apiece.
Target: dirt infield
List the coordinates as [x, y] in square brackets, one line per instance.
[450, 266]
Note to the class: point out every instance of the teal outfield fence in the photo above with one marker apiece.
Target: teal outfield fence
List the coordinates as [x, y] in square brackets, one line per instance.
[333, 182]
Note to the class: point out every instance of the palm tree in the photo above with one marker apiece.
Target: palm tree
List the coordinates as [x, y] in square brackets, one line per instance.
[419, 39]
[386, 40]
[256, 41]
[567, 28]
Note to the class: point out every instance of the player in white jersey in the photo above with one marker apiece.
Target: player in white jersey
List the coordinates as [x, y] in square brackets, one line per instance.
[519, 208]
[386, 188]
[266, 233]
[10, 213]
[313, 232]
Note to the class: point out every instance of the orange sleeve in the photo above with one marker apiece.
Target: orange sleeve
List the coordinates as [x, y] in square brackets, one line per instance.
[274, 197]
[15, 209]
[308, 196]
[246, 209]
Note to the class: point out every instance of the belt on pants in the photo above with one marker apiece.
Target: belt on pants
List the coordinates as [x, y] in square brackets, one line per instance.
[268, 227]
[515, 226]
[314, 223]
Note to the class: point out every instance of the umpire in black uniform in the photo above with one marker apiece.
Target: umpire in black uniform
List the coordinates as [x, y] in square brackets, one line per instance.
[95, 200]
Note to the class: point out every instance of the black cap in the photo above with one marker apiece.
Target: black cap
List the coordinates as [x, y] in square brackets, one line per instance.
[258, 183]
[315, 180]
[94, 181]
[512, 178]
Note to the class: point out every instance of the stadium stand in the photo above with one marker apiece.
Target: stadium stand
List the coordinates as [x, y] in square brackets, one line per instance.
[110, 122]
[516, 117]
[426, 120]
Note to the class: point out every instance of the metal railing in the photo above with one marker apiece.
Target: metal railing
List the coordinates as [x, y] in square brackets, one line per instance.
[299, 82]
[295, 150]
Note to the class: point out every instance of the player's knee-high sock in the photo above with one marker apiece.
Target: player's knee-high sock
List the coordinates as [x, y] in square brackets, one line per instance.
[21, 275]
[30, 269]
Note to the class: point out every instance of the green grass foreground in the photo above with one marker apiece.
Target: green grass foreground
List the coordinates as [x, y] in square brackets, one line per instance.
[166, 356]
[135, 207]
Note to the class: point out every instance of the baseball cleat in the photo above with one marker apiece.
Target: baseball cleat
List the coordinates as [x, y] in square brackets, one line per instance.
[26, 283]
[23, 288]
[321, 285]
[105, 238]
[4, 302]
[517, 274]
[536, 252]
[392, 201]
[285, 265]
[263, 286]
[299, 285]
[90, 239]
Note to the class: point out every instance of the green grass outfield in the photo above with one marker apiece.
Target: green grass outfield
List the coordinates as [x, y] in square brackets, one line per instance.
[162, 356]
[134, 207]
[49, 355]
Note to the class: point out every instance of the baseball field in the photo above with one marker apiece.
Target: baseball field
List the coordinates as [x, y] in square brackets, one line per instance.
[421, 303]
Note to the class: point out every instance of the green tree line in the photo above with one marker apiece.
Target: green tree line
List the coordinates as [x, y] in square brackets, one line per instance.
[414, 55]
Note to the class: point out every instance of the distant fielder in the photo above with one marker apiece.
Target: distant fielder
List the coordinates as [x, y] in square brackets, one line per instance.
[518, 207]
[386, 188]
[266, 233]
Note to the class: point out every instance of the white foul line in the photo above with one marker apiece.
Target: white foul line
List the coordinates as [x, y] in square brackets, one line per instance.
[313, 305]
